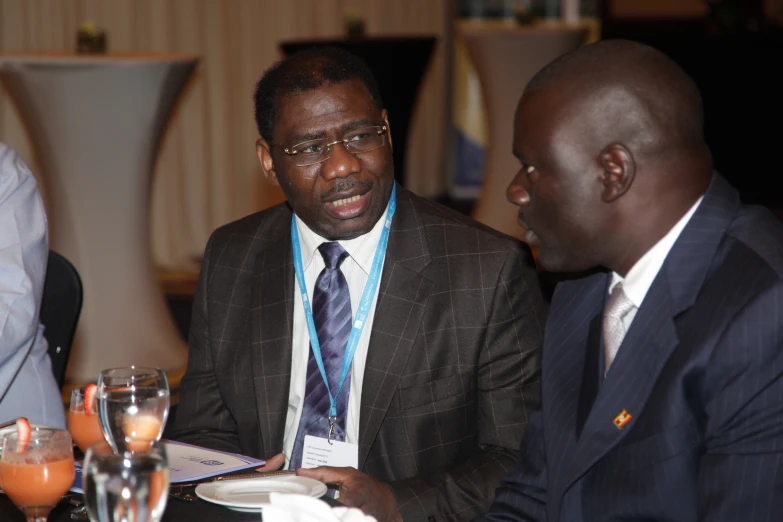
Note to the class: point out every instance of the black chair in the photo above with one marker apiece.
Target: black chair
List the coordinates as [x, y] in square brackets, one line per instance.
[60, 309]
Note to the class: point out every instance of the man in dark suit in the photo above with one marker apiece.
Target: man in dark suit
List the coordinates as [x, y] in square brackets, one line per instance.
[445, 371]
[662, 387]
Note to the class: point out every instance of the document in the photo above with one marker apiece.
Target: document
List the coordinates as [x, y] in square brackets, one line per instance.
[188, 463]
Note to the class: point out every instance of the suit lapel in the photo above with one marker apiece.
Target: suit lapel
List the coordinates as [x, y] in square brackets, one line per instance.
[570, 322]
[591, 376]
[271, 326]
[403, 294]
[642, 355]
[652, 336]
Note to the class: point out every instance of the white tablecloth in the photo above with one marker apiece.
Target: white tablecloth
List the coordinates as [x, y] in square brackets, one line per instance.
[506, 57]
[96, 124]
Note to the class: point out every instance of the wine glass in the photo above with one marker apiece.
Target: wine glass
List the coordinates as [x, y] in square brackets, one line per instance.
[85, 428]
[133, 405]
[35, 475]
[127, 485]
[83, 424]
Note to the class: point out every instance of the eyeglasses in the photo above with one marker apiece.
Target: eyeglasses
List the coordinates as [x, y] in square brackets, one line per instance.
[357, 141]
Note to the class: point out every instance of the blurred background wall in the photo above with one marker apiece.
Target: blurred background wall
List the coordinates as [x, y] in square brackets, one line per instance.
[207, 173]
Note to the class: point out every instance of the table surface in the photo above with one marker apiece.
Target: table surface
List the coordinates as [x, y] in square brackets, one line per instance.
[176, 511]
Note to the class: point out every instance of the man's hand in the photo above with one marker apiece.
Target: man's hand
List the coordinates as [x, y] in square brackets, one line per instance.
[273, 464]
[359, 490]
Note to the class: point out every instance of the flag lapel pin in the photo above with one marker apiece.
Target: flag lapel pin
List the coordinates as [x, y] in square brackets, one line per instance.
[622, 419]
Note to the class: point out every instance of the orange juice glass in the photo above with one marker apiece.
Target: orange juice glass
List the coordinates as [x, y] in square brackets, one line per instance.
[84, 425]
[36, 477]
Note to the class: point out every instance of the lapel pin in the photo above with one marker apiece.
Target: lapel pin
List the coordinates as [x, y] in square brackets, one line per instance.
[622, 419]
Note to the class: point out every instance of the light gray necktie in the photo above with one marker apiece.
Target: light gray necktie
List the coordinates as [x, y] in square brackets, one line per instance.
[617, 306]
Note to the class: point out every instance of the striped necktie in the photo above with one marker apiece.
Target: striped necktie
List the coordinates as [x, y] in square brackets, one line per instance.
[332, 318]
[617, 307]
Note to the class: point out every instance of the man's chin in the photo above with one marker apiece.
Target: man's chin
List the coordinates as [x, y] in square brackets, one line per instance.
[547, 260]
[562, 263]
[349, 228]
[334, 224]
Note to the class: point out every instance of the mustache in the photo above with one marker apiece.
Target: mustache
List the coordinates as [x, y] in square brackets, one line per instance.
[345, 185]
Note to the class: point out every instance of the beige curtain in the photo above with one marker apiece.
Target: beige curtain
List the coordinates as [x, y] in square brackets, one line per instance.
[207, 173]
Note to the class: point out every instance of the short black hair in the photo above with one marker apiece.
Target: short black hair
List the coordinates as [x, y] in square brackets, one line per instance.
[304, 71]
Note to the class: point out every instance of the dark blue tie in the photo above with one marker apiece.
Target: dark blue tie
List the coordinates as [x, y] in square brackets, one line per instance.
[332, 317]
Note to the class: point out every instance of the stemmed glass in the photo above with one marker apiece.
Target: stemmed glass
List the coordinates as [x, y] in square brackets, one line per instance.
[133, 405]
[83, 423]
[35, 475]
[85, 428]
[126, 485]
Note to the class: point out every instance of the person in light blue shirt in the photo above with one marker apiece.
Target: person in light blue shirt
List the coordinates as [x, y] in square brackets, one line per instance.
[27, 385]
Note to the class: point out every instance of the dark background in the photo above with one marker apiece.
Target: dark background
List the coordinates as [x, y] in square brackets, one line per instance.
[735, 56]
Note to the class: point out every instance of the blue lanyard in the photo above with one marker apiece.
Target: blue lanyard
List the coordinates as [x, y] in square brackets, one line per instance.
[364, 304]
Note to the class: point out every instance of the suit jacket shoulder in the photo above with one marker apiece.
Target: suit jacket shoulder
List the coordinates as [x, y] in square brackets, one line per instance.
[760, 232]
[447, 232]
[242, 239]
[441, 214]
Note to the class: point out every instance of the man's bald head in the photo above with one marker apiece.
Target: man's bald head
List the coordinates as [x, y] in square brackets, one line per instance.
[610, 137]
[637, 93]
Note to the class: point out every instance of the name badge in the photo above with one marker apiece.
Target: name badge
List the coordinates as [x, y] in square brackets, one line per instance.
[318, 451]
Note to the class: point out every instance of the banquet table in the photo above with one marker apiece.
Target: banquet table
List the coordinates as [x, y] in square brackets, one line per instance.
[96, 123]
[176, 511]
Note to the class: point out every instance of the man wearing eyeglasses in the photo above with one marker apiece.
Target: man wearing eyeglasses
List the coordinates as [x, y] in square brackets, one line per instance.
[357, 333]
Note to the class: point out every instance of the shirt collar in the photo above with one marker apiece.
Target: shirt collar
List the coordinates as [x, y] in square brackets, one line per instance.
[361, 248]
[641, 276]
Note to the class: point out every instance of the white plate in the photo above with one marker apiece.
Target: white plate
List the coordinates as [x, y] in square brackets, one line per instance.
[251, 495]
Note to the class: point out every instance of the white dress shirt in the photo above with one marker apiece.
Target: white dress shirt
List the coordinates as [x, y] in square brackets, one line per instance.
[27, 385]
[641, 276]
[356, 269]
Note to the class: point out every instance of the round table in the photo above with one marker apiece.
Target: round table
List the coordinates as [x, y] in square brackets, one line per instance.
[506, 57]
[176, 511]
[96, 122]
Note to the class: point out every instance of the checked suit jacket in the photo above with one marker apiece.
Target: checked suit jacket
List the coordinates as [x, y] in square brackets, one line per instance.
[688, 423]
[452, 369]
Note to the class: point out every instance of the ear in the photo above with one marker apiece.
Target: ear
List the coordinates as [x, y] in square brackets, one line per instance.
[619, 170]
[385, 117]
[264, 153]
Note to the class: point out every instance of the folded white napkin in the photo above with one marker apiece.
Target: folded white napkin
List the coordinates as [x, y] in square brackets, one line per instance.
[286, 507]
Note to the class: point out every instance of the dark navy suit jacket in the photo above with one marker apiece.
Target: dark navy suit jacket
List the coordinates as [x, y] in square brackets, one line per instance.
[700, 372]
